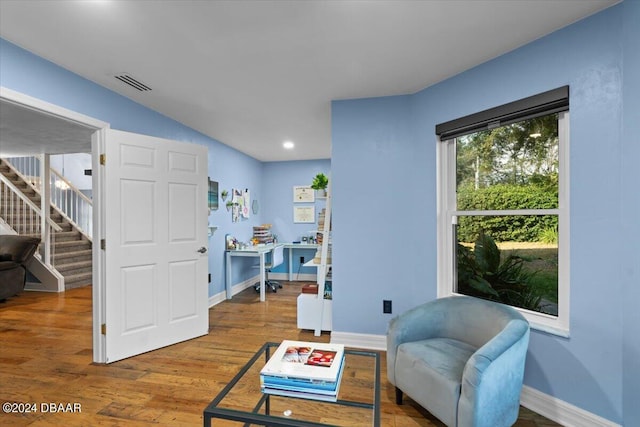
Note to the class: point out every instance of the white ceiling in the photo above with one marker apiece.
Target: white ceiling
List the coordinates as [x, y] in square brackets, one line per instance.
[253, 74]
[24, 131]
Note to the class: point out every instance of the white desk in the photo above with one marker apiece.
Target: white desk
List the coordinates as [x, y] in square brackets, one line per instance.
[291, 247]
[251, 251]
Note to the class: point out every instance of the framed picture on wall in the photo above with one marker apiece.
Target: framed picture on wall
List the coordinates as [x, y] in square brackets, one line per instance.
[212, 195]
[303, 194]
[304, 214]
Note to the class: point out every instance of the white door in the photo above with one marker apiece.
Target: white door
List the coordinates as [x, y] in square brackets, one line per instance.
[155, 265]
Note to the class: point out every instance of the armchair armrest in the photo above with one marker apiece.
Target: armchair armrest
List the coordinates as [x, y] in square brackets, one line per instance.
[19, 248]
[494, 373]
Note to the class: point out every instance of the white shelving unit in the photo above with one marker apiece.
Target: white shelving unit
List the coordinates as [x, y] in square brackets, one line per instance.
[314, 311]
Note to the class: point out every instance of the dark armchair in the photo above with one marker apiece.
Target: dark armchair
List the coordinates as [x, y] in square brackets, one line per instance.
[15, 251]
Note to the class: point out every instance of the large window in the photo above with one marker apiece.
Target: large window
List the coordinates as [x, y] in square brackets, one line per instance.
[503, 208]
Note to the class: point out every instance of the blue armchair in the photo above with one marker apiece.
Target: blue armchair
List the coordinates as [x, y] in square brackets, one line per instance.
[461, 358]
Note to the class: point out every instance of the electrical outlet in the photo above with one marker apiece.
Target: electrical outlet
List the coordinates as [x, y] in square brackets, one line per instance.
[301, 260]
[386, 306]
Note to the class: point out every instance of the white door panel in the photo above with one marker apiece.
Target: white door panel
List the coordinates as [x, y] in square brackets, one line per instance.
[182, 223]
[184, 299]
[155, 196]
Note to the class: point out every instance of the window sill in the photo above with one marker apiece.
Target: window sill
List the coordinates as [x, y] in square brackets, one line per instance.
[552, 330]
[544, 323]
[537, 321]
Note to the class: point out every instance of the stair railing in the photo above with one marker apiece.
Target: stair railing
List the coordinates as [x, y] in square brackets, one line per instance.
[72, 203]
[28, 168]
[19, 213]
[75, 206]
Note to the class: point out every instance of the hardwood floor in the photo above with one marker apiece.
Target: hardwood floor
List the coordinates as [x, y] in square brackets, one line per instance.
[46, 358]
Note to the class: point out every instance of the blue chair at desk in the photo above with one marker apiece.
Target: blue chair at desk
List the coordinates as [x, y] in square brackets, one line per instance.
[277, 258]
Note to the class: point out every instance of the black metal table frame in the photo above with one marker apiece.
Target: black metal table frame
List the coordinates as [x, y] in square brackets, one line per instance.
[254, 417]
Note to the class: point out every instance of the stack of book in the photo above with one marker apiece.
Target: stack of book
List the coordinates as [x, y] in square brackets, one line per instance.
[317, 259]
[321, 215]
[319, 238]
[305, 370]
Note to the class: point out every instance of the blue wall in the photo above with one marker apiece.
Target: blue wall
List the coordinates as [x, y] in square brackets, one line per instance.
[31, 75]
[278, 180]
[384, 198]
[392, 142]
[630, 214]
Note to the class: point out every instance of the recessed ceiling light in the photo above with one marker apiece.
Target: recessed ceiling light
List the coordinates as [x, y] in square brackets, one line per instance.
[288, 145]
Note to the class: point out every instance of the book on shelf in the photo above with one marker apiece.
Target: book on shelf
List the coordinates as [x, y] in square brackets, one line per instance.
[305, 361]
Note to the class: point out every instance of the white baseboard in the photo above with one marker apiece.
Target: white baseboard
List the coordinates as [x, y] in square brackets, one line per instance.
[368, 341]
[548, 406]
[306, 277]
[238, 287]
[217, 298]
[560, 411]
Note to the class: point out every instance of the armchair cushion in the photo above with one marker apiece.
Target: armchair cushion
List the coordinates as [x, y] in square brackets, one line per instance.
[440, 362]
[461, 358]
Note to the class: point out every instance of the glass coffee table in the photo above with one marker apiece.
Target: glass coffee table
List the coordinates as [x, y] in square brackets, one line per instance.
[242, 403]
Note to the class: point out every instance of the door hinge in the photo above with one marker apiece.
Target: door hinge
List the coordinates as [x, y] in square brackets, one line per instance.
[103, 329]
[103, 244]
[103, 159]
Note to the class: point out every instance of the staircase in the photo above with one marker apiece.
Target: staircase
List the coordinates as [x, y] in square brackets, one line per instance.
[71, 251]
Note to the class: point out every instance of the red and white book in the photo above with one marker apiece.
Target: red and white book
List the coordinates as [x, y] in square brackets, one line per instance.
[307, 361]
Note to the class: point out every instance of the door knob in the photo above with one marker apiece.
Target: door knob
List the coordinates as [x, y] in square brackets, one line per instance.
[202, 250]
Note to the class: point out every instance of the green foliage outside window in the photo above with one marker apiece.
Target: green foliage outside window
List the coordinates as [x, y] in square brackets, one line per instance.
[484, 273]
[512, 228]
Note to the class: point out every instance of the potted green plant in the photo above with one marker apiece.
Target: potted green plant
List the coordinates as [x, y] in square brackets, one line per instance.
[319, 183]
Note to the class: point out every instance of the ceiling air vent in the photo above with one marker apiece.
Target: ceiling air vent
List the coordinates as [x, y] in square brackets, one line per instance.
[133, 82]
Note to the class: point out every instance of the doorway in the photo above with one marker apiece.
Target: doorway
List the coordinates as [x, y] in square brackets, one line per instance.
[162, 299]
[28, 125]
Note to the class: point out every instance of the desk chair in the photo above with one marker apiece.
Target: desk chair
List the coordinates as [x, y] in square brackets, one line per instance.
[277, 258]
